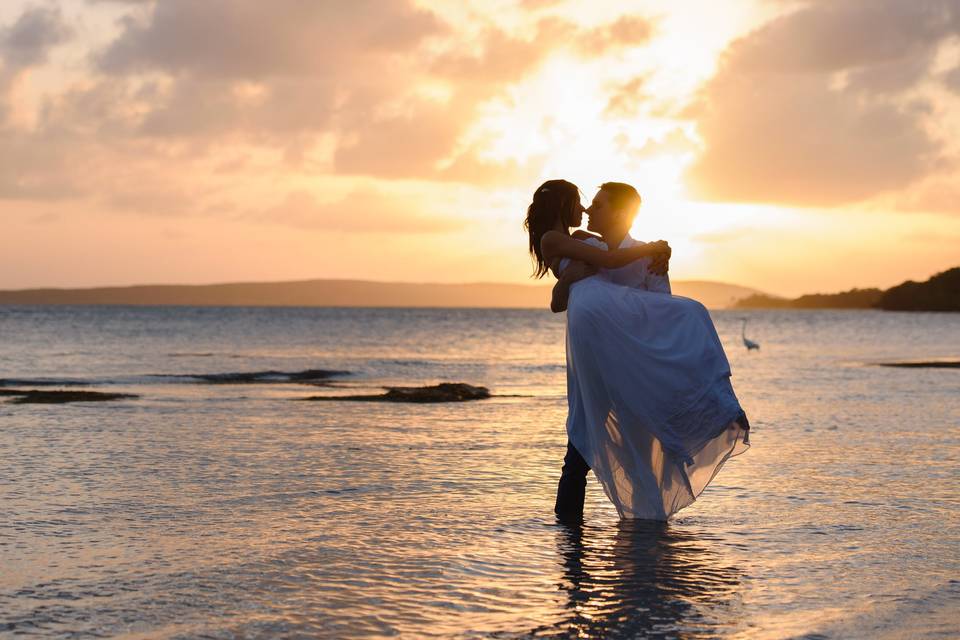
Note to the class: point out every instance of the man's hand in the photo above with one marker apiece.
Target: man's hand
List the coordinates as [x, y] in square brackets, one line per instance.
[660, 263]
[574, 272]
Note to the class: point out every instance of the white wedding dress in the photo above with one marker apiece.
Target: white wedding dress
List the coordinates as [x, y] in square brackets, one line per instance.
[651, 407]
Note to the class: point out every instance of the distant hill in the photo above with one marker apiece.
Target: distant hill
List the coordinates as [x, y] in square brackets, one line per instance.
[344, 293]
[853, 299]
[940, 293]
[713, 295]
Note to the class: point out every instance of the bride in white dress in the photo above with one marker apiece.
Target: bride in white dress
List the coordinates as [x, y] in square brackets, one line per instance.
[652, 410]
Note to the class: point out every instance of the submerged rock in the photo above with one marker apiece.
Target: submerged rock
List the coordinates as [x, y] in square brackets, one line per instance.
[929, 364]
[43, 382]
[36, 396]
[310, 376]
[444, 392]
[313, 375]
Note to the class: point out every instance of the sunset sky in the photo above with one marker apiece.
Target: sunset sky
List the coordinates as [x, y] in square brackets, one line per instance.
[789, 146]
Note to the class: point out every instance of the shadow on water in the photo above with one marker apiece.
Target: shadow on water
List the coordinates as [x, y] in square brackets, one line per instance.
[647, 579]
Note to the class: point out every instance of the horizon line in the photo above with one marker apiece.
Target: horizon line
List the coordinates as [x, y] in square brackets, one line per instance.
[534, 284]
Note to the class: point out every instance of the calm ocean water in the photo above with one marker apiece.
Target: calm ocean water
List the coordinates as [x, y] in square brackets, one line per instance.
[232, 511]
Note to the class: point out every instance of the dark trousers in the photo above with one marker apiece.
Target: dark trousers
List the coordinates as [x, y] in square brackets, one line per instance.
[573, 484]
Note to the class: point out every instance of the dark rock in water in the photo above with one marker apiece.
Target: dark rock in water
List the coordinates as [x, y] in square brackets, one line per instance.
[931, 364]
[41, 382]
[310, 376]
[35, 396]
[444, 392]
[313, 375]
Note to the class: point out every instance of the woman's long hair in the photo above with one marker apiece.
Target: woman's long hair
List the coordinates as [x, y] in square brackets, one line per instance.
[553, 200]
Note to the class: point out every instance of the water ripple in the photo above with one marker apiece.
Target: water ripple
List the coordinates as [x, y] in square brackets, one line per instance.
[204, 513]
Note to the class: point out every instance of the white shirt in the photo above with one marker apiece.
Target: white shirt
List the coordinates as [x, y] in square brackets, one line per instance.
[636, 274]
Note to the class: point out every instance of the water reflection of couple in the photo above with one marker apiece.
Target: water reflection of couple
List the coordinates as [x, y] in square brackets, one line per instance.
[651, 408]
[650, 581]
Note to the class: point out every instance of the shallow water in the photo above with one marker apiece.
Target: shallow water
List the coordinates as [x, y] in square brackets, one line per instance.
[228, 511]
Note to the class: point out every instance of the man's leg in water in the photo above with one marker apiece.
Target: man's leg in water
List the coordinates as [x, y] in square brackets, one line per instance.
[572, 488]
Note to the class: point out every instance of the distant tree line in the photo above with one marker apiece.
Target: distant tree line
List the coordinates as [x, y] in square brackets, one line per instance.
[940, 293]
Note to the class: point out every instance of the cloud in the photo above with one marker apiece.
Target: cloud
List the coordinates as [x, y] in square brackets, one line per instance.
[952, 79]
[24, 44]
[159, 198]
[274, 72]
[256, 40]
[364, 210]
[470, 167]
[37, 168]
[812, 109]
[367, 88]
[499, 57]
[940, 194]
[536, 5]
[627, 98]
[28, 41]
[673, 142]
[428, 132]
[292, 74]
[626, 31]
[403, 146]
[424, 145]
[846, 34]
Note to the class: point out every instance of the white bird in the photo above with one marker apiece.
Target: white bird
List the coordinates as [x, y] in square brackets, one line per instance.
[749, 344]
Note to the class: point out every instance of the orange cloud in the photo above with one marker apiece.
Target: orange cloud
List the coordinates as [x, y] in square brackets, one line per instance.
[626, 31]
[627, 98]
[812, 108]
[301, 119]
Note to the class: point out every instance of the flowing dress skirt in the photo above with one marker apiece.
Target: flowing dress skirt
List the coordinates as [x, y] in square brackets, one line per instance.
[652, 410]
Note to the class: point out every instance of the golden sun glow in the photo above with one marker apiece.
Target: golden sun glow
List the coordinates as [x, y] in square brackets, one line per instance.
[328, 142]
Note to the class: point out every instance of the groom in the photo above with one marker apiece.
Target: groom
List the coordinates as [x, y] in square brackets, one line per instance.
[611, 214]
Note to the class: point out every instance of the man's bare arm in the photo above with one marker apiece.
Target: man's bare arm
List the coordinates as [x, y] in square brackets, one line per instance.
[574, 272]
[555, 244]
[580, 234]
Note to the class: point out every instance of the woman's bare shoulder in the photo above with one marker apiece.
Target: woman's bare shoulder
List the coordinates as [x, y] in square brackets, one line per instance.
[552, 238]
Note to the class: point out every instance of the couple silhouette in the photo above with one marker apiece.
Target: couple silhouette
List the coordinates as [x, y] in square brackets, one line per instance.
[651, 409]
